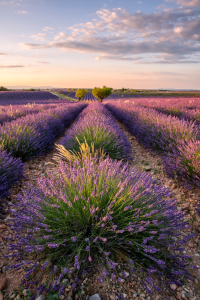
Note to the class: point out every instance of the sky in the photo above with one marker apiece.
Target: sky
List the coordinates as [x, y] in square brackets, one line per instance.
[147, 44]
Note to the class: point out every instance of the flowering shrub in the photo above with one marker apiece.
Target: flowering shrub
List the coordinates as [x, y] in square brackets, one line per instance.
[183, 108]
[96, 125]
[177, 140]
[11, 170]
[192, 115]
[25, 97]
[84, 152]
[34, 134]
[10, 113]
[153, 129]
[20, 140]
[184, 162]
[66, 116]
[98, 214]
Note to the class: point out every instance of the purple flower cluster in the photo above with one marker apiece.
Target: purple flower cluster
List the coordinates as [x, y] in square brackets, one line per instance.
[72, 95]
[177, 140]
[30, 136]
[25, 97]
[183, 108]
[11, 170]
[10, 112]
[34, 134]
[64, 92]
[140, 224]
[97, 125]
[184, 162]
[89, 97]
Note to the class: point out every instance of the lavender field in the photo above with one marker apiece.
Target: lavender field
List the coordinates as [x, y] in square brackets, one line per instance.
[84, 212]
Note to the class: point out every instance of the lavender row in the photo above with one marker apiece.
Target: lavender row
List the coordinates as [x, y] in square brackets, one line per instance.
[117, 96]
[65, 92]
[11, 171]
[187, 109]
[72, 95]
[25, 95]
[177, 140]
[96, 125]
[182, 113]
[168, 103]
[10, 113]
[89, 97]
[34, 134]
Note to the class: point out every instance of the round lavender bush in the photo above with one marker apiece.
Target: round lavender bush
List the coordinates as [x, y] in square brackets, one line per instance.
[98, 214]
[184, 163]
[11, 170]
[21, 140]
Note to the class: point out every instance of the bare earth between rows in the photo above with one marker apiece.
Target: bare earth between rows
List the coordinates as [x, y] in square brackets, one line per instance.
[144, 161]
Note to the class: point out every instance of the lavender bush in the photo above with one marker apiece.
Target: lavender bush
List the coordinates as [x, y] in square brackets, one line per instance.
[11, 170]
[184, 163]
[10, 112]
[96, 125]
[66, 116]
[97, 214]
[177, 140]
[155, 130]
[183, 108]
[20, 140]
[34, 134]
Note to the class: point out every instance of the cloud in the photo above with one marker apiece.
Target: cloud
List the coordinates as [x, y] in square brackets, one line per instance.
[47, 28]
[43, 62]
[117, 57]
[22, 12]
[169, 36]
[189, 2]
[170, 62]
[39, 36]
[3, 54]
[61, 36]
[192, 3]
[162, 6]
[11, 3]
[34, 46]
[11, 66]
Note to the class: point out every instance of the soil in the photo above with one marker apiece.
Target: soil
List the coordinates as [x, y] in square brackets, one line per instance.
[145, 161]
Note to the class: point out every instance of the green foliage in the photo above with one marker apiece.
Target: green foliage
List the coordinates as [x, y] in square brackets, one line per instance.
[101, 93]
[80, 94]
[102, 213]
[2, 89]
[19, 140]
[123, 89]
[101, 138]
[53, 296]
[84, 152]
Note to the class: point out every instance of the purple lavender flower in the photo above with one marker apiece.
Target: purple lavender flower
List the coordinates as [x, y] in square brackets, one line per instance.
[151, 209]
[74, 239]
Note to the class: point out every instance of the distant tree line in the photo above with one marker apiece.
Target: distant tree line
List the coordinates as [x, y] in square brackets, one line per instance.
[3, 89]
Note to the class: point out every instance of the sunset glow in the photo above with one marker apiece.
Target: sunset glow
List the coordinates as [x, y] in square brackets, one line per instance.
[132, 44]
